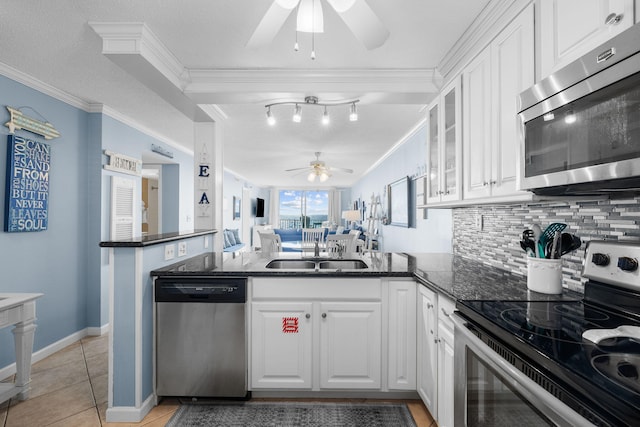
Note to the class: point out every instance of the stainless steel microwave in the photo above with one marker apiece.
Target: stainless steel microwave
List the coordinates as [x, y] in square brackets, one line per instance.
[580, 126]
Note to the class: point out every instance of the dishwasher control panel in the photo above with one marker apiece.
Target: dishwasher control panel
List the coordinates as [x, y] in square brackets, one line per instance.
[201, 289]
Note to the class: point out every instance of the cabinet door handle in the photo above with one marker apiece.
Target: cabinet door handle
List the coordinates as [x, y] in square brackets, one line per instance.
[613, 19]
[308, 316]
[436, 340]
[444, 312]
[429, 305]
[324, 315]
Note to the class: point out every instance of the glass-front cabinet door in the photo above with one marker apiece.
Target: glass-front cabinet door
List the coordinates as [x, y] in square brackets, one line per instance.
[444, 146]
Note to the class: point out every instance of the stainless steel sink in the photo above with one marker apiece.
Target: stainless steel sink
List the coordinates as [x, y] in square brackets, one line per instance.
[307, 264]
[342, 264]
[299, 264]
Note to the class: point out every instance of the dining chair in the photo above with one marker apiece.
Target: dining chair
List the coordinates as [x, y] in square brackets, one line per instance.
[337, 241]
[270, 242]
[356, 240]
[309, 238]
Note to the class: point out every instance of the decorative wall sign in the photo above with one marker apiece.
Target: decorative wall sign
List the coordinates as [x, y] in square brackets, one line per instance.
[203, 178]
[20, 121]
[122, 163]
[27, 195]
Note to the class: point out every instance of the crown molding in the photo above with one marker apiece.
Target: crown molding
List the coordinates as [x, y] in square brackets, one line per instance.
[108, 111]
[491, 20]
[40, 86]
[131, 38]
[215, 112]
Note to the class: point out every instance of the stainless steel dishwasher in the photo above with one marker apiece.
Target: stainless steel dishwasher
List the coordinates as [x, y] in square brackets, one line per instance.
[201, 337]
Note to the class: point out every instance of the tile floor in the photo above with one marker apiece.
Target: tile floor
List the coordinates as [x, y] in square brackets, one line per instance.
[69, 389]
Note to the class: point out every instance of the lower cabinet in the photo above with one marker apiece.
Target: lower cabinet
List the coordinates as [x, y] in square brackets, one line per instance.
[281, 342]
[311, 341]
[435, 355]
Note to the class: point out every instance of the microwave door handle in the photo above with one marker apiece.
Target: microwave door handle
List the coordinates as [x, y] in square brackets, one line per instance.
[561, 414]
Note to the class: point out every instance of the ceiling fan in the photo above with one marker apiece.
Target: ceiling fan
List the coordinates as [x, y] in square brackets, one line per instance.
[318, 169]
[356, 14]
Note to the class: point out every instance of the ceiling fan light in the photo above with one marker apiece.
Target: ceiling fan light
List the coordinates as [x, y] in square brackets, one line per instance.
[270, 119]
[311, 177]
[325, 117]
[297, 114]
[310, 19]
[324, 176]
[353, 113]
[341, 6]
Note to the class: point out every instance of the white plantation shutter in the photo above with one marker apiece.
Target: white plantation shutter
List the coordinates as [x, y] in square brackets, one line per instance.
[122, 207]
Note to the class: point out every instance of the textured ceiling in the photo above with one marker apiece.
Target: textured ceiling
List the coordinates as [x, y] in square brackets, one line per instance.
[53, 42]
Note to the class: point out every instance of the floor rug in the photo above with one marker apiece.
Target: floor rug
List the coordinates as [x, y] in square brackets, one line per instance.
[280, 414]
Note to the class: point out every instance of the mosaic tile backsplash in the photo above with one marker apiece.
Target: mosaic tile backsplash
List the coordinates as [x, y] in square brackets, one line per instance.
[497, 243]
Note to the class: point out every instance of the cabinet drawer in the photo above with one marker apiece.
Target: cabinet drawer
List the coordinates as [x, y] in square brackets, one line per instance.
[327, 289]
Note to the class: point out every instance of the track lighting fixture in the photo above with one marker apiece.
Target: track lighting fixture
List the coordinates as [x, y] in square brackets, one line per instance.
[313, 101]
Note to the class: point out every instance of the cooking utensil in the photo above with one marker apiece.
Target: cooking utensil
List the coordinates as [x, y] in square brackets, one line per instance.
[528, 246]
[550, 232]
[555, 254]
[569, 243]
[537, 233]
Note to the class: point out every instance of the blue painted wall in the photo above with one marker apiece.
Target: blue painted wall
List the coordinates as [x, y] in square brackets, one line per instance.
[65, 262]
[434, 234]
[55, 261]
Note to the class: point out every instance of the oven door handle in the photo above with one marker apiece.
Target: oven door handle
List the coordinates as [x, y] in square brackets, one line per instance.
[556, 410]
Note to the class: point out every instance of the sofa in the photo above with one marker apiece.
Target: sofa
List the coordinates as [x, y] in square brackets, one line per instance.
[232, 241]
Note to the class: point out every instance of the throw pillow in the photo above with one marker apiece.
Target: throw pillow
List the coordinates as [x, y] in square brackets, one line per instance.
[225, 235]
[232, 239]
[236, 236]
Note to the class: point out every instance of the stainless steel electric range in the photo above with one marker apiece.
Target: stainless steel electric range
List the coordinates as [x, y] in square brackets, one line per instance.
[555, 362]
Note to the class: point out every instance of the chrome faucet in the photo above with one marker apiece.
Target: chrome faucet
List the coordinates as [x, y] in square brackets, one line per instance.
[316, 250]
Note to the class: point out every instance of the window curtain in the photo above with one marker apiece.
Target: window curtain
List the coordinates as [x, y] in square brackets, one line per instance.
[274, 211]
[335, 211]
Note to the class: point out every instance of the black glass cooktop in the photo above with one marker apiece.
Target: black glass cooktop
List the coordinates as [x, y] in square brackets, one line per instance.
[549, 335]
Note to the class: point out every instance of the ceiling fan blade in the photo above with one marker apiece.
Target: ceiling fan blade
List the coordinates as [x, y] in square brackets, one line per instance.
[271, 23]
[341, 169]
[296, 169]
[362, 22]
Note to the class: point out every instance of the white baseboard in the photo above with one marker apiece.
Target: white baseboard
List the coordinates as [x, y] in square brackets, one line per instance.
[130, 414]
[47, 351]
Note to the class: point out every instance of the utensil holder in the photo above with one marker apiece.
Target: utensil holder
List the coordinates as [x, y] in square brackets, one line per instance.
[544, 275]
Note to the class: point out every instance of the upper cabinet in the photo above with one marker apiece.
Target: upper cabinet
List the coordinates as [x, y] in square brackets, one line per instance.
[444, 161]
[490, 85]
[571, 28]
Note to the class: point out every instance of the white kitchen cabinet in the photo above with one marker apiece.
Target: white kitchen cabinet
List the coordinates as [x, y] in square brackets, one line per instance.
[350, 345]
[491, 83]
[316, 333]
[427, 384]
[445, 375]
[444, 146]
[402, 335]
[571, 28]
[281, 343]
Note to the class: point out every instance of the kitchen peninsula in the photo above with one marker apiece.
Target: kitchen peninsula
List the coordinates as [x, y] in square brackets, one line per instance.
[318, 329]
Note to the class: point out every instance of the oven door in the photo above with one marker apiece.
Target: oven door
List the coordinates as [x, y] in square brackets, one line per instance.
[490, 391]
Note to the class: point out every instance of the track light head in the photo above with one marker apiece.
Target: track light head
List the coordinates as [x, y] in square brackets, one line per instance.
[297, 114]
[270, 119]
[353, 113]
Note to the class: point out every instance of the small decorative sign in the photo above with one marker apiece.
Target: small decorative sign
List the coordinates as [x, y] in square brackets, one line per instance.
[161, 150]
[122, 163]
[203, 178]
[27, 195]
[20, 121]
[290, 325]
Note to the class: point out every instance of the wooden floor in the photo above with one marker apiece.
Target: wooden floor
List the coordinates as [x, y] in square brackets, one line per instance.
[69, 389]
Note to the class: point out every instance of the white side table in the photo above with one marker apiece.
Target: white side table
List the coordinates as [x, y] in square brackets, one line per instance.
[19, 310]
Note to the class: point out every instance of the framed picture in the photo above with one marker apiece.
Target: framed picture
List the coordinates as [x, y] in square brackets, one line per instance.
[236, 207]
[398, 194]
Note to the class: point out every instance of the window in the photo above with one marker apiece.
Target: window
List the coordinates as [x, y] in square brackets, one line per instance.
[303, 209]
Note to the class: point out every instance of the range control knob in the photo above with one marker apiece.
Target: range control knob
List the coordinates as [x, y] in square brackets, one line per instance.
[600, 259]
[627, 264]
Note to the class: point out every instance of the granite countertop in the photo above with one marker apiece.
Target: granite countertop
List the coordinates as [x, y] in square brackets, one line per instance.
[455, 276]
[154, 239]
